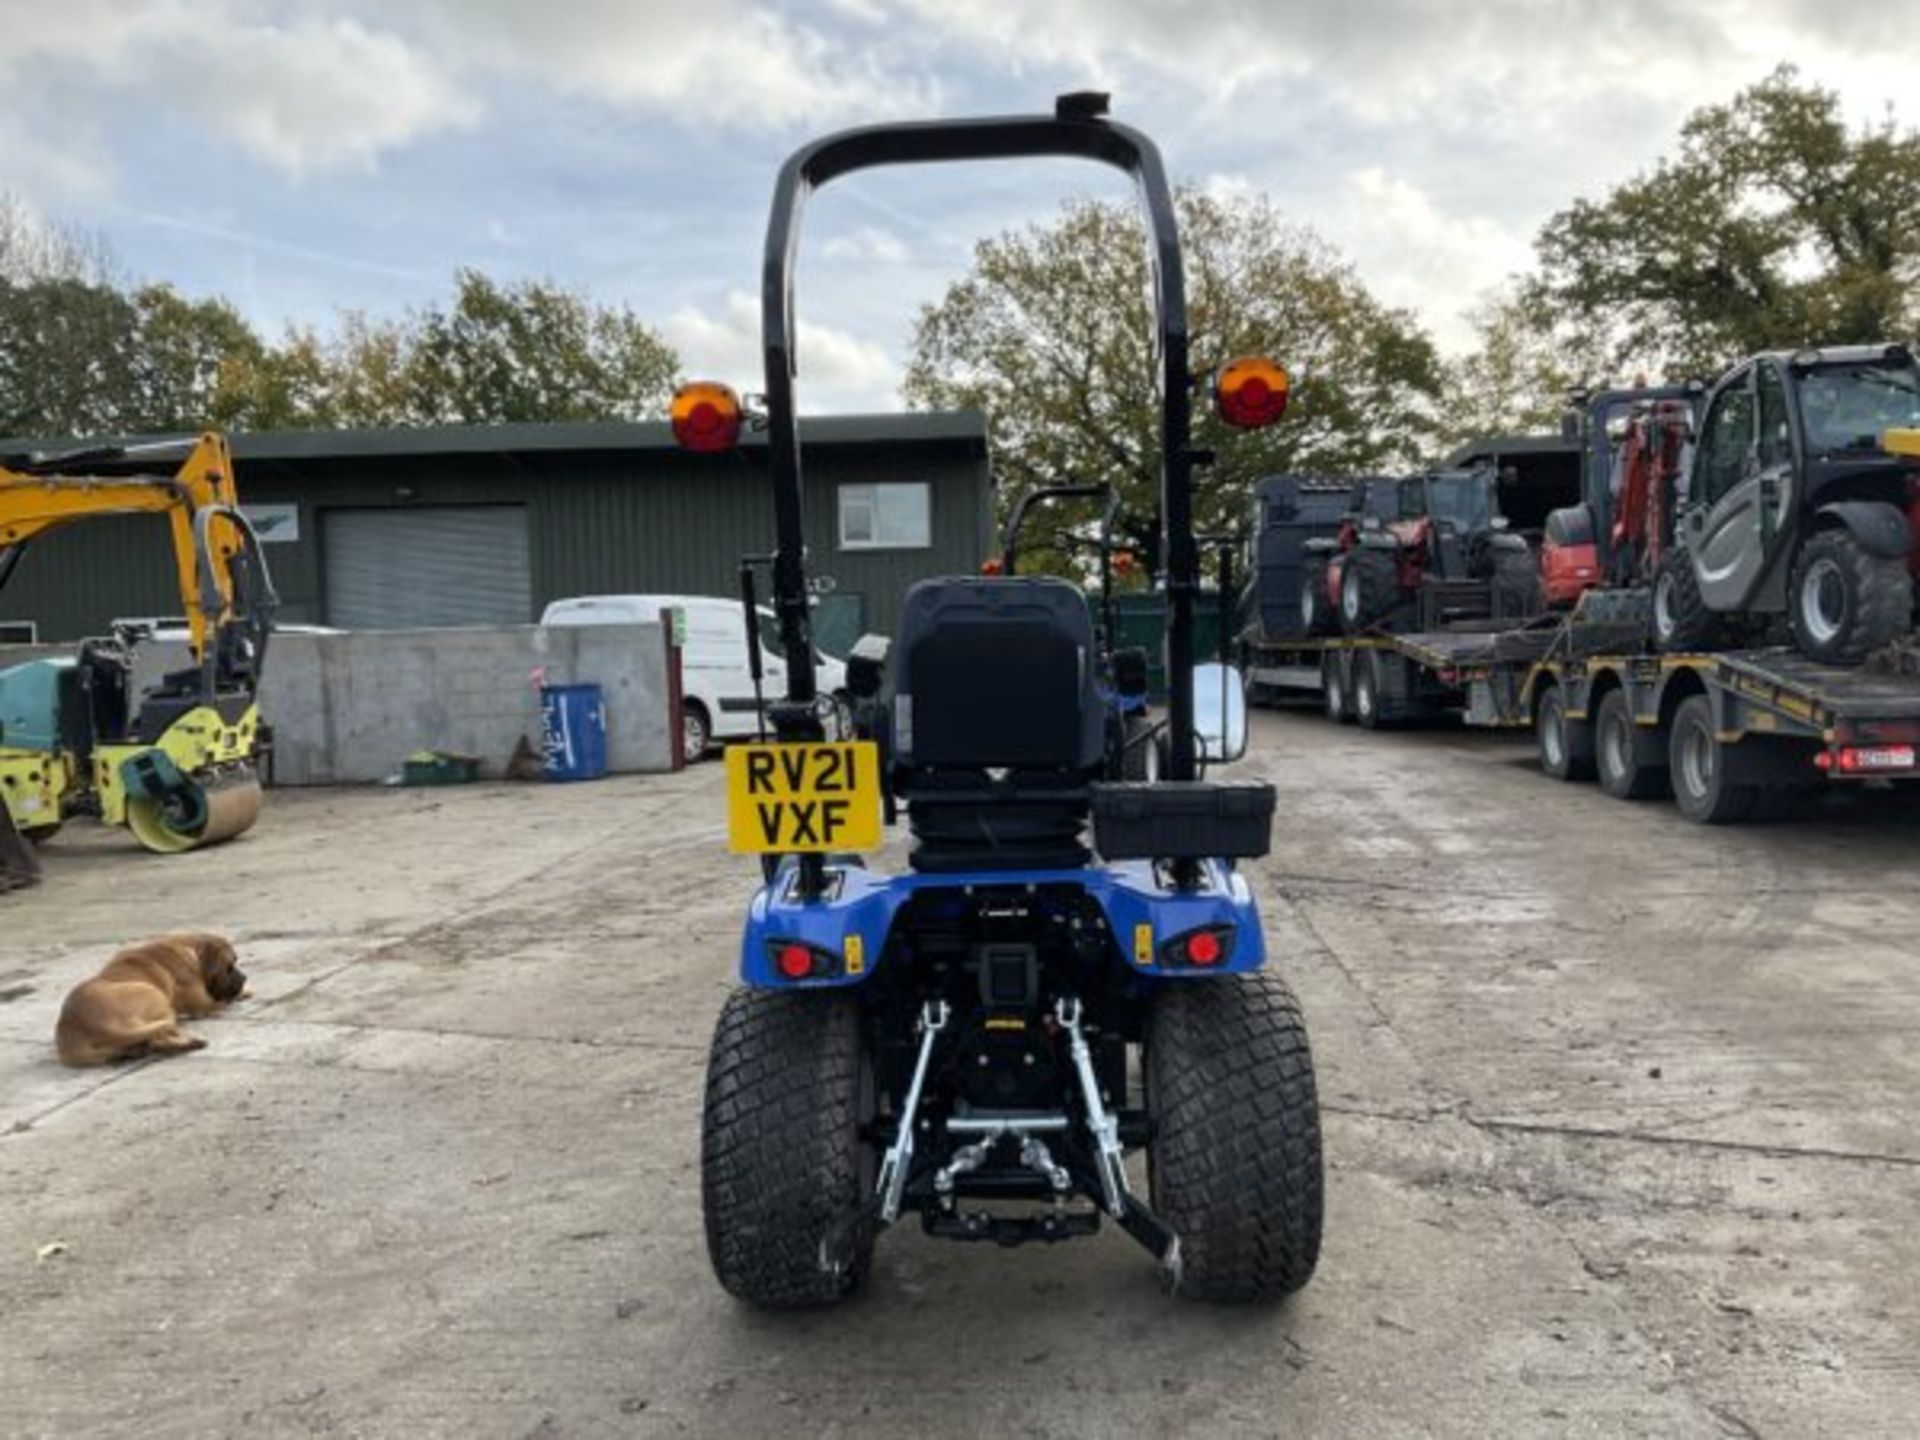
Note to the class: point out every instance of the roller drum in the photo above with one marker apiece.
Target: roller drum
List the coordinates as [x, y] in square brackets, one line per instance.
[210, 810]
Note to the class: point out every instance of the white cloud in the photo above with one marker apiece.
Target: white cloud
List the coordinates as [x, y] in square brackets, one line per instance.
[313, 94]
[868, 243]
[314, 87]
[1414, 254]
[722, 64]
[298, 92]
[839, 371]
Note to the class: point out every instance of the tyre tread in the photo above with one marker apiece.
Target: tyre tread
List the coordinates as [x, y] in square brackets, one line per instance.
[1236, 1135]
[1882, 591]
[779, 1150]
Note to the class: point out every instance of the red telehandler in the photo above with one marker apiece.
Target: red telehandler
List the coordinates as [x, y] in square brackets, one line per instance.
[1635, 468]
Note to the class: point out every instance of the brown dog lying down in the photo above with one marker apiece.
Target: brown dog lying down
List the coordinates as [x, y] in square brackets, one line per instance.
[134, 1006]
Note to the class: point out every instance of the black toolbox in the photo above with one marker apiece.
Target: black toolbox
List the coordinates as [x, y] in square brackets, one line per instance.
[1183, 820]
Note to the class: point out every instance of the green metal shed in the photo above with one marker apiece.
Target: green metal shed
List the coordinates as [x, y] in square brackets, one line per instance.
[485, 524]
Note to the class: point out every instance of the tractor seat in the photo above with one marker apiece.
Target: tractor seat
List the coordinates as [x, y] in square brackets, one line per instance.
[998, 723]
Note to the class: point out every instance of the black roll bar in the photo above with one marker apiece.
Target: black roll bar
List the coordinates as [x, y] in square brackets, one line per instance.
[1095, 490]
[1076, 130]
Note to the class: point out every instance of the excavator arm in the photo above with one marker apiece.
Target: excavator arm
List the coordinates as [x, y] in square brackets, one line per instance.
[210, 536]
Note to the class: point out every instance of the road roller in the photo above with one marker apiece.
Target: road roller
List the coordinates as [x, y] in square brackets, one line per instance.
[176, 762]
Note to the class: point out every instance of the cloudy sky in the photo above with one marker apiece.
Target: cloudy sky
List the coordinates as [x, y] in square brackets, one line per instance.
[301, 156]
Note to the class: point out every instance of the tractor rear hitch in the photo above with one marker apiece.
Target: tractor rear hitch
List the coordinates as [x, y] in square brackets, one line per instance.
[1049, 1227]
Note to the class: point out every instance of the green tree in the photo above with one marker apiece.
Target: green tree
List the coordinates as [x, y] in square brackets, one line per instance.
[85, 358]
[1051, 335]
[195, 365]
[1526, 366]
[289, 386]
[365, 380]
[531, 351]
[1773, 225]
[67, 363]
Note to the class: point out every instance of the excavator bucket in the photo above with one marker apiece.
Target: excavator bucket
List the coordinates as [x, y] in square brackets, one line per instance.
[19, 866]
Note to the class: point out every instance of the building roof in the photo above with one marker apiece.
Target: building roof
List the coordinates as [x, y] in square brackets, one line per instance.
[963, 430]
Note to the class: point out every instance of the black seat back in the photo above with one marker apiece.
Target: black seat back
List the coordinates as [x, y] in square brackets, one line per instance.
[998, 722]
[996, 674]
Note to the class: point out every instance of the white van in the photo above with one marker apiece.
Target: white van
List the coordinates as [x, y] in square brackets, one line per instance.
[716, 688]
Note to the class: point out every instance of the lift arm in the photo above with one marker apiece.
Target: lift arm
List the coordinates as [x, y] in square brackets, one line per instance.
[211, 539]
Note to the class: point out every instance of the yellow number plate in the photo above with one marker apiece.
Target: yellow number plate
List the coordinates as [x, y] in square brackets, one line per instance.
[803, 797]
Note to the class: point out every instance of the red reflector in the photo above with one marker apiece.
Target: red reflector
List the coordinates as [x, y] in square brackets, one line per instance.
[796, 962]
[1203, 947]
[1859, 759]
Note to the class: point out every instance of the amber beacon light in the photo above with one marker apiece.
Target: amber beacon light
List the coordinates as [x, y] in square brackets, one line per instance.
[1251, 392]
[706, 417]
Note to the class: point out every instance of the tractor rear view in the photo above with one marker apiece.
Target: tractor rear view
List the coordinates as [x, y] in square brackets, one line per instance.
[1072, 969]
[176, 765]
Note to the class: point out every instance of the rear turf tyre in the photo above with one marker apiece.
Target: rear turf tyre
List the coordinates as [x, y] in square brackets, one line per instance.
[1234, 1158]
[1622, 772]
[1681, 619]
[1566, 746]
[784, 1157]
[1702, 788]
[1333, 688]
[1369, 589]
[1843, 602]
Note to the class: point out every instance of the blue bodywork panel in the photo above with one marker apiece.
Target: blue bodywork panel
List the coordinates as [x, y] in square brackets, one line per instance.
[863, 903]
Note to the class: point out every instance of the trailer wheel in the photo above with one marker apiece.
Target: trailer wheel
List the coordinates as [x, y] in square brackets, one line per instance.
[1367, 691]
[1234, 1159]
[1843, 602]
[1369, 588]
[1566, 746]
[1701, 786]
[1333, 688]
[1622, 772]
[785, 1163]
[1681, 619]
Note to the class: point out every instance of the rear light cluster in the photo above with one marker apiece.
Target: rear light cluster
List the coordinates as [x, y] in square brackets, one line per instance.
[1204, 949]
[794, 961]
[1866, 759]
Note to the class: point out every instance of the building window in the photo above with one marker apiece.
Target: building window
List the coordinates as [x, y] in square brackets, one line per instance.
[885, 517]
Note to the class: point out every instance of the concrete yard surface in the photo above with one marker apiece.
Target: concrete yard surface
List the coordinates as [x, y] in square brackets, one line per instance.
[1620, 1120]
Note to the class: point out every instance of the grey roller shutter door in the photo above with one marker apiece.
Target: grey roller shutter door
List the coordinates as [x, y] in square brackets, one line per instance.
[439, 565]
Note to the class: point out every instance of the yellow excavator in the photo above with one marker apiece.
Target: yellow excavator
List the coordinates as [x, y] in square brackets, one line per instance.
[177, 764]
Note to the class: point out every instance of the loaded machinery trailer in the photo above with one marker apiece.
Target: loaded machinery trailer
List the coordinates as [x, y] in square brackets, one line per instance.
[1731, 735]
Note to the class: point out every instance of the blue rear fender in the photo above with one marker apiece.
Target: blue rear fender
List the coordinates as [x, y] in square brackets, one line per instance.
[855, 920]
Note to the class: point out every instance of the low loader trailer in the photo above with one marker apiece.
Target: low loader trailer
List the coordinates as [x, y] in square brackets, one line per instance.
[1730, 735]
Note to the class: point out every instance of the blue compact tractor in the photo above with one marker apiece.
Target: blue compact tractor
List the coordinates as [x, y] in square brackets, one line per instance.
[1072, 968]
